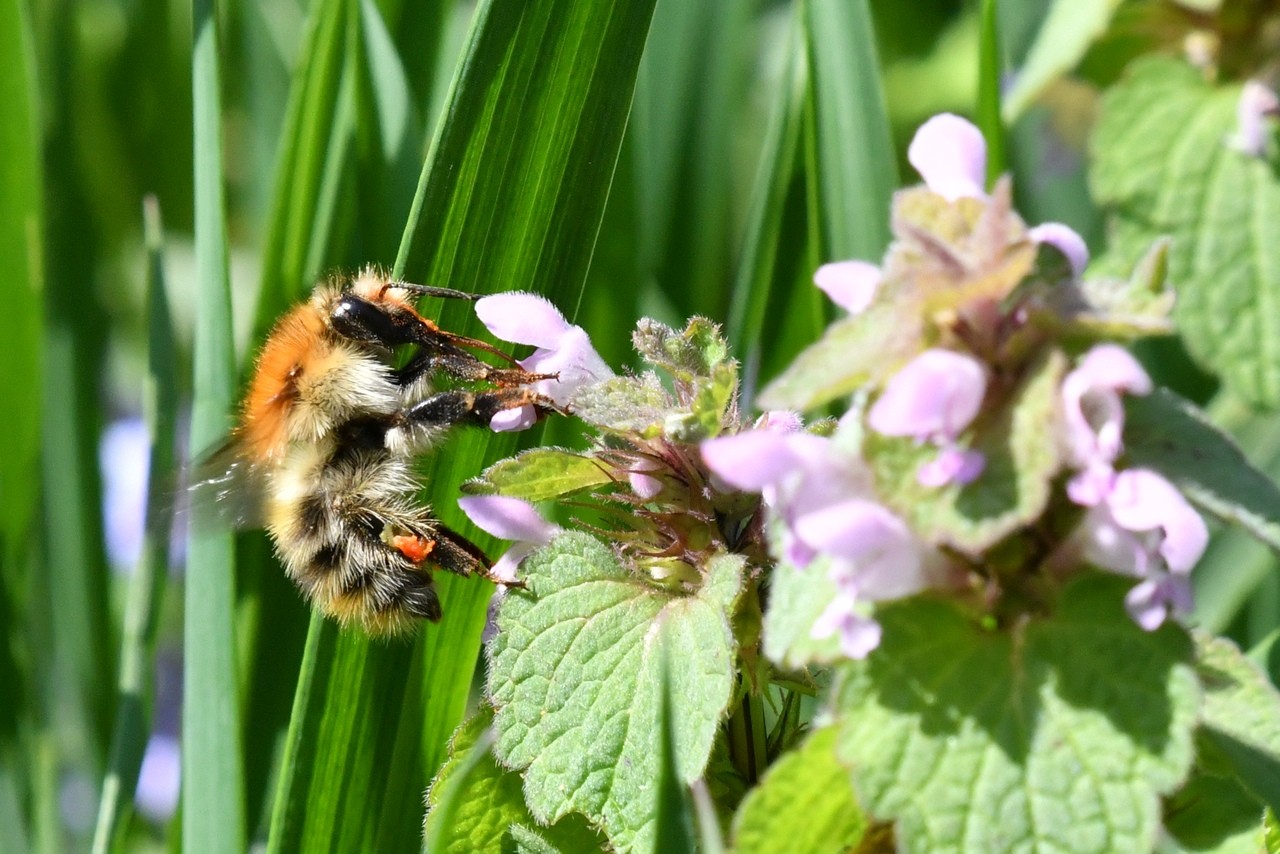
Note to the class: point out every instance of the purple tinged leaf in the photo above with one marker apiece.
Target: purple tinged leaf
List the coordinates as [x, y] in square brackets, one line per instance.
[951, 156]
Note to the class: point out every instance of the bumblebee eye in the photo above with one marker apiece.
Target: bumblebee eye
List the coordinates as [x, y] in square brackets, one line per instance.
[361, 320]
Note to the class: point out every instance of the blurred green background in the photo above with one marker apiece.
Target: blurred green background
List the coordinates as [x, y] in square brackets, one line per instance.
[298, 139]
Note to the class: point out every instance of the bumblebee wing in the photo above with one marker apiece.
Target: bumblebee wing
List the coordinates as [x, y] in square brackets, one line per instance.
[225, 489]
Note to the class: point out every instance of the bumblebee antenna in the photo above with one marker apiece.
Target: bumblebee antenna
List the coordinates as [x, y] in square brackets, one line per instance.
[432, 291]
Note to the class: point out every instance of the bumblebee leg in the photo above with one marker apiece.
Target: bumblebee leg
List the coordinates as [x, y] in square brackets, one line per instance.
[446, 358]
[467, 407]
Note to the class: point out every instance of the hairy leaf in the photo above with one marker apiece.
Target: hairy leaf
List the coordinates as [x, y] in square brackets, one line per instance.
[575, 676]
[1059, 733]
[540, 474]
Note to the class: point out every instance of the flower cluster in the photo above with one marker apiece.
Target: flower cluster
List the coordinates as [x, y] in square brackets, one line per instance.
[823, 493]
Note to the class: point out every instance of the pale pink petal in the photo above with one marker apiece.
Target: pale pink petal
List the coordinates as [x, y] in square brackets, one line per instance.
[858, 635]
[935, 396]
[1092, 409]
[853, 529]
[850, 284]
[780, 421]
[952, 465]
[1066, 240]
[951, 156]
[1152, 601]
[574, 360]
[508, 518]
[511, 420]
[159, 778]
[1255, 104]
[522, 318]
[1142, 500]
[1105, 544]
[1092, 484]
[645, 486]
[755, 459]
[505, 569]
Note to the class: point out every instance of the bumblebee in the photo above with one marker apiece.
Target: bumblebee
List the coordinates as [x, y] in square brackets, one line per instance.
[326, 439]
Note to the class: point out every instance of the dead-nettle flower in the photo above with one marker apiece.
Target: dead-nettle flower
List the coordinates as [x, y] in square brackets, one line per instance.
[933, 399]
[951, 156]
[850, 284]
[823, 498]
[509, 519]
[1256, 103]
[562, 349]
[1138, 523]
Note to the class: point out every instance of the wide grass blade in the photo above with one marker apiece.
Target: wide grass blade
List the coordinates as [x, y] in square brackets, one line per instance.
[133, 712]
[511, 196]
[990, 72]
[779, 162]
[213, 774]
[21, 215]
[857, 170]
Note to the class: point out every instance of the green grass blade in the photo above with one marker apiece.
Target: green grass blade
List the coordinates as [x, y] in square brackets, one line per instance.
[990, 71]
[511, 197]
[774, 179]
[857, 168]
[212, 784]
[20, 227]
[133, 714]
[20, 243]
[304, 149]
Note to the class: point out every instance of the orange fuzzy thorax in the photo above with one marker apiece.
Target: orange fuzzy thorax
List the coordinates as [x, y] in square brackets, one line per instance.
[296, 343]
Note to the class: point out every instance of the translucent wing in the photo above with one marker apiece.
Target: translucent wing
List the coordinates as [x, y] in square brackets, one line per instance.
[224, 489]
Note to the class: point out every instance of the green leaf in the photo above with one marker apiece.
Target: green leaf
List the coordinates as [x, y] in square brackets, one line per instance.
[637, 405]
[576, 661]
[694, 352]
[1013, 488]
[474, 803]
[804, 803]
[1241, 716]
[1068, 30]
[1163, 165]
[1058, 733]
[1215, 814]
[852, 353]
[797, 597]
[540, 474]
[213, 814]
[1170, 435]
[1127, 308]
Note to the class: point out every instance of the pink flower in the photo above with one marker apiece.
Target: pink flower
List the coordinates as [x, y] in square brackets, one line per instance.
[823, 497]
[1066, 240]
[1255, 104]
[562, 349]
[1144, 527]
[850, 284]
[509, 519]
[933, 399]
[1093, 416]
[951, 155]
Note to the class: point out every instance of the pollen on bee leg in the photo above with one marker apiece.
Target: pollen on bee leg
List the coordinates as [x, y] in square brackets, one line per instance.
[412, 546]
